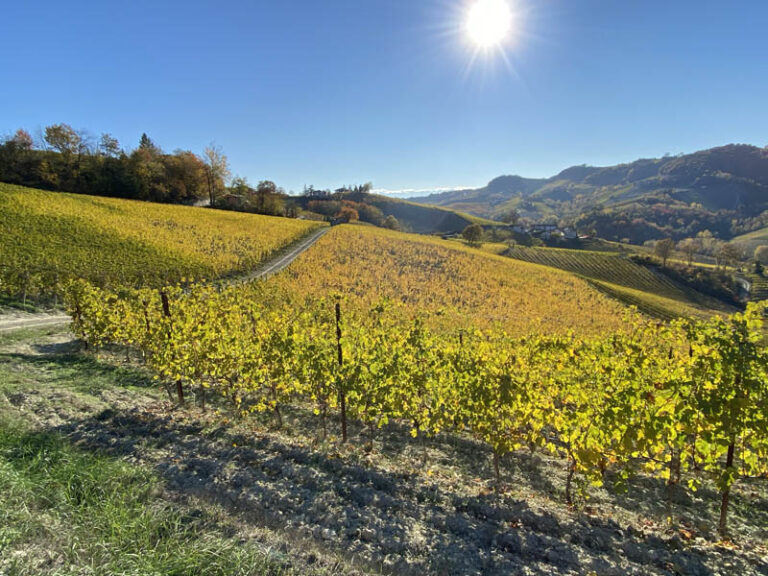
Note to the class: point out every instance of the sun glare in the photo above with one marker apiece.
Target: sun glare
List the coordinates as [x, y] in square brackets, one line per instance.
[489, 22]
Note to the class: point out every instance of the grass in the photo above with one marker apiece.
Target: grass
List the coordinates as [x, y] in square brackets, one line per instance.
[64, 510]
[67, 510]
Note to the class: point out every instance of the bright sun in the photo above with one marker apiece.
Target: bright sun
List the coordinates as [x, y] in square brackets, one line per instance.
[489, 22]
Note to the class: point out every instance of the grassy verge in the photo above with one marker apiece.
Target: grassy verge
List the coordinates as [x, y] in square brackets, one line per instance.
[63, 510]
[66, 510]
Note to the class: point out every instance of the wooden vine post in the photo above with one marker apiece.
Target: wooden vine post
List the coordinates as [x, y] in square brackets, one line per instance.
[167, 314]
[341, 384]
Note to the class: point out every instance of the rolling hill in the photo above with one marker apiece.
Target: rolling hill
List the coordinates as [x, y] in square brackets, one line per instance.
[447, 284]
[411, 216]
[752, 240]
[625, 280]
[674, 196]
[48, 237]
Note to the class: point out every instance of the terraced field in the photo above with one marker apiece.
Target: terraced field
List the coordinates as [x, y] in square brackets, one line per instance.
[759, 289]
[625, 280]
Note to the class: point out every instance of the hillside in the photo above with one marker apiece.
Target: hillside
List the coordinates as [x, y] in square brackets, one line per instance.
[448, 285]
[259, 429]
[625, 280]
[752, 240]
[374, 209]
[722, 189]
[46, 237]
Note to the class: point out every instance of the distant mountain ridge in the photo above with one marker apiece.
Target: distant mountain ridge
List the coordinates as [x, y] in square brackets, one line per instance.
[707, 189]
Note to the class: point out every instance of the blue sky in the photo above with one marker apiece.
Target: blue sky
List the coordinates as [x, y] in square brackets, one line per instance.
[338, 92]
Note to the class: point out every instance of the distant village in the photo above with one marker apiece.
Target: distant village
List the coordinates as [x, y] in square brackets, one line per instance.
[547, 231]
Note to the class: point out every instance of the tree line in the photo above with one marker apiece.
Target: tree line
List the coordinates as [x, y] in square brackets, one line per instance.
[69, 160]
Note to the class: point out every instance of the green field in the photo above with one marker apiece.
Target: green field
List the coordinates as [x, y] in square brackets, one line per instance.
[752, 240]
[625, 280]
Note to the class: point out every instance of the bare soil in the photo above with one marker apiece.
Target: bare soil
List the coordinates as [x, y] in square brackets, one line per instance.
[387, 505]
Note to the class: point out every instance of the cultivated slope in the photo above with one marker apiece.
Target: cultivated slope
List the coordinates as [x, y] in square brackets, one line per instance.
[625, 280]
[447, 284]
[48, 236]
[752, 240]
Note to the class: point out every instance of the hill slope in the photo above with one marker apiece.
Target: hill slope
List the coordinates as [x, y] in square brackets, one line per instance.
[48, 236]
[375, 208]
[752, 240]
[447, 284]
[670, 196]
[625, 280]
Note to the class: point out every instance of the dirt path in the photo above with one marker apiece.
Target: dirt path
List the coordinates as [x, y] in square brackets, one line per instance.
[281, 261]
[8, 323]
[10, 320]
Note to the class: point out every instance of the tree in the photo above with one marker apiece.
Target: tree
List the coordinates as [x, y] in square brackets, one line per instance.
[264, 190]
[512, 217]
[216, 170]
[109, 146]
[63, 138]
[348, 214]
[729, 253]
[473, 234]
[690, 247]
[146, 144]
[664, 249]
[23, 140]
[391, 223]
[239, 185]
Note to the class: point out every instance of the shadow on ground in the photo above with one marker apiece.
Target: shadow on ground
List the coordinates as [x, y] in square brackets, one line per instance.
[396, 522]
[400, 522]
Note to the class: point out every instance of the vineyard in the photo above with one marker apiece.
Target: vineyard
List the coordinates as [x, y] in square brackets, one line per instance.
[448, 284]
[683, 401]
[47, 237]
[625, 280]
[373, 332]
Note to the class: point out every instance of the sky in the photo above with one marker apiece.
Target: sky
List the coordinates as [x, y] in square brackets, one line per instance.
[336, 92]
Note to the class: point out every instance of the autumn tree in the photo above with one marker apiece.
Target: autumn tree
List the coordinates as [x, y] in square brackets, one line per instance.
[761, 255]
[391, 223]
[348, 214]
[22, 140]
[473, 234]
[729, 254]
[109, 146]
[664, 249]
[216, 170]
[264, 190]
[690, 247]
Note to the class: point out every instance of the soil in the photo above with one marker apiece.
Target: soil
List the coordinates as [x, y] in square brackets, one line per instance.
[387, 505]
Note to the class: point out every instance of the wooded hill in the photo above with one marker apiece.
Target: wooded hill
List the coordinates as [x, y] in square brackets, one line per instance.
[723, 190]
